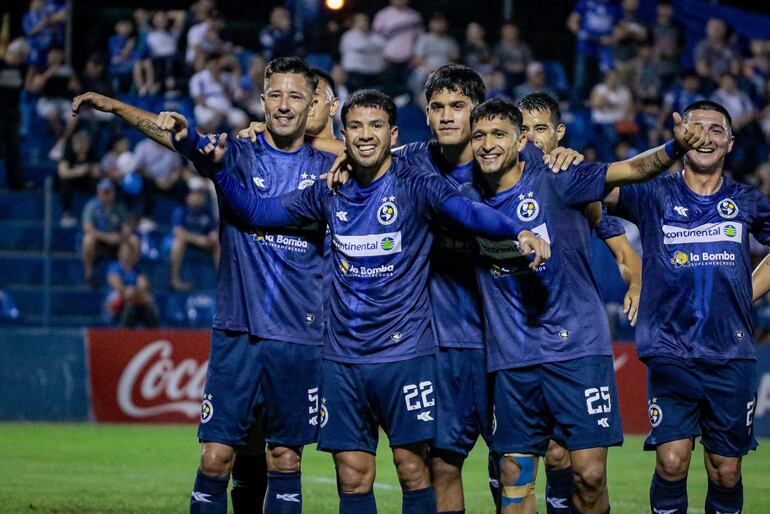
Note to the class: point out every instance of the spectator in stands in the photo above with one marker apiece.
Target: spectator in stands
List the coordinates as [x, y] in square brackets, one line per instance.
[130, 301]
[144, 71]
[476, 52]
[38, 24]
[56, 85]
[496, 84]
[713, 55]
[737, 102]
[400, 26]
[106, 229]
[214, 90]
[361, 53]
[195, 224]
[93, 79]
[252, 85]
[161, 171]
[12, 72]
[592, 22]
[511, 54]
[122, 51]
[611, 103]
[627, 36]
[535, 82]
[667, 39]
[77, 171]
[196, 39]
[756, 67]
[644, 71]
[162, 45]
[432, 50]
[108, 166]
[276, 38]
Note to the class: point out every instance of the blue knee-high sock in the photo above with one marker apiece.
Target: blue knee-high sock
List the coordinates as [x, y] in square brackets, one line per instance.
[558, 490]
[668, 495]
[727, 500]
[284, 493]
[358, 503]
[419, 501]
[575, 510]
[209, 495]
[452, 512]
[249, 483]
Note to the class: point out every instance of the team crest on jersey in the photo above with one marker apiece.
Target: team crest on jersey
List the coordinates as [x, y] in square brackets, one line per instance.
[528, 208]
[307, 181]
[387, 213]
[727, 208]
[655, 413]
[207, 411]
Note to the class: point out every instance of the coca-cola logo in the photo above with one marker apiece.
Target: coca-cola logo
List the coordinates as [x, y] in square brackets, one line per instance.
[153, 384]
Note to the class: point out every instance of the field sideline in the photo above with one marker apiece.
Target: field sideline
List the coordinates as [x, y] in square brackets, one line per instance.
[90, 468]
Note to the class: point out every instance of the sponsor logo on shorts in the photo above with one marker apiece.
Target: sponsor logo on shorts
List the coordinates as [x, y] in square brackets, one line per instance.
[369, 245]
[725, 231]
[425, 416]
[727, 208]
[654, 412]
[387, 214]
[207, 410]
[603, 422]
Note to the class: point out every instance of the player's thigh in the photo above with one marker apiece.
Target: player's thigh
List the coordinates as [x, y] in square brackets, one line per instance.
[403, 398]
[729, 401]
[347, 422]
[583, 398]
[231, 389]
[521, 421]
[292, 395]
[462, 400]
[674, 395]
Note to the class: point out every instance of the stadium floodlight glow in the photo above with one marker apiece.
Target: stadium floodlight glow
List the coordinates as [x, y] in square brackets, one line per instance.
[335, 5]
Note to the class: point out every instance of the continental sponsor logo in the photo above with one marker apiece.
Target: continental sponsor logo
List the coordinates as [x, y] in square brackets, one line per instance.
[369, 245]
[509, 249]
[725, 231]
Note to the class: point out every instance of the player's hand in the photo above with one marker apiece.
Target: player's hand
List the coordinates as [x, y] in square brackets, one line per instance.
[173, 122]
[562, 158]
[95, 101]
[252, 131]
[215, 150]
[530, 244]
[631, 302]
[339, 173]
[688, 136]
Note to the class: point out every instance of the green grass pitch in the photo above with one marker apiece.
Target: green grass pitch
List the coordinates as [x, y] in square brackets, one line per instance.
[89, 468]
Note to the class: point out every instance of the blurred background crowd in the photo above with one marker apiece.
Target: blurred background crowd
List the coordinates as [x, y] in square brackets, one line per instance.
[127, 213]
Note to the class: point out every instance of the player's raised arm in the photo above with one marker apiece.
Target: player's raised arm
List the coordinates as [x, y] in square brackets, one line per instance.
[760, 279]
[140, 119]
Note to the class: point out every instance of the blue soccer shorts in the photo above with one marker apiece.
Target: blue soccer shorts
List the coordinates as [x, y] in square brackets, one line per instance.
[360, 398]
[578, 397]
[463, 400]
[259, 380]
[711, 398]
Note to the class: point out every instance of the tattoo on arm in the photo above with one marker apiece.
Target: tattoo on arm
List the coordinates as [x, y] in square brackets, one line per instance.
[647, 165]
[149, 128]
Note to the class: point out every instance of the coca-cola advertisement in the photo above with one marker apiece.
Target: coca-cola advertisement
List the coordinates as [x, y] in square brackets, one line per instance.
[631, 377]
[148, 376]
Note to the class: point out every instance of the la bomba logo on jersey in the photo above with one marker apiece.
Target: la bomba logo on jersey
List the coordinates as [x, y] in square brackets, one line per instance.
[709, 233]
[280, 241]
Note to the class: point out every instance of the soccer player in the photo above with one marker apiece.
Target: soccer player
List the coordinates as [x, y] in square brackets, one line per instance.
[541, 122]
[378, 352]
[694, 332]
[265, 356]
[547, 336]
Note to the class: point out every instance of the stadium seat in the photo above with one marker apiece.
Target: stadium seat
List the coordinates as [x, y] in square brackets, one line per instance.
[9, 312]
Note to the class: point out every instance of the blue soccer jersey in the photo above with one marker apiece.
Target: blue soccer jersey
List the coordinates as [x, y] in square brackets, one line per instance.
[454, 292]
[270, 281]
[554, 313]
[696, 294]
[379, 306]
[608, 226]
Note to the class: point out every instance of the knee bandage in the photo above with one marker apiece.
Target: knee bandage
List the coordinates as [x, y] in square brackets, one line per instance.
[525, 485]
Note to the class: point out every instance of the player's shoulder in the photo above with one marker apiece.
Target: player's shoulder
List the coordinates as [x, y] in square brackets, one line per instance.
[407, 171]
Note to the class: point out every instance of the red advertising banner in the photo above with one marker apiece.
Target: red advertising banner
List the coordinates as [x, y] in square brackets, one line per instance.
[147, 376]
[631, 376]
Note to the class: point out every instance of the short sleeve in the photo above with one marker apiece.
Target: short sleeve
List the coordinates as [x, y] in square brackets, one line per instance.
[581, 184]
[307, 205]
[633, 201]
[609, 226]
[760, 228]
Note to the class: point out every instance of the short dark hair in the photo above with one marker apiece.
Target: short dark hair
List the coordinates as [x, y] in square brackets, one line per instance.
[320, 75]
[542, 102]
[497, 108]
[369, 98]
[458, 78]
[291, 65]
[708, 105]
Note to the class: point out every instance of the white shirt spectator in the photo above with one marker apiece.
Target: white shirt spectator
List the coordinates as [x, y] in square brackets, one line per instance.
[195, 37]
[737, 102]
[156, 161]
[214, 91]
[362, 52]
[162, 43]
[400, 27]
[616, 104]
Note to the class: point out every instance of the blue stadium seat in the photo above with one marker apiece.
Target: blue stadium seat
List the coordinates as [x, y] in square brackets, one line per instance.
[9, 312]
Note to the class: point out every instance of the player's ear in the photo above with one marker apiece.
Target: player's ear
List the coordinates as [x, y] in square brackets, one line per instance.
[334, 107]
[262, 101]
[394, 135]
[730, 142]
[561, 131]
[522, 142]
